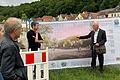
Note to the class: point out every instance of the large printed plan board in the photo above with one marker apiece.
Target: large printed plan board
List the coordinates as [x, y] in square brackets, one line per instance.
[66, 51]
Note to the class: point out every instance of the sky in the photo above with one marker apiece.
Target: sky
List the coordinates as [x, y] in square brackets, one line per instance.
[14, 2]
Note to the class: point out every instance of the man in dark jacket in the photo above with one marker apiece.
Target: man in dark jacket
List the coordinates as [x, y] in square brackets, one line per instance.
[98, 38]
[12, 66]
[34, 37]
[34, 40]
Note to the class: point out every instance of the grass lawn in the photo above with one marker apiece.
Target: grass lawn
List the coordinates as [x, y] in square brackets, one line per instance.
[110, 73]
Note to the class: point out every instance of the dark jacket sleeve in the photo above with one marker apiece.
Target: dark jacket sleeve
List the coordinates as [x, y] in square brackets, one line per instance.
[104, 39]
[30, 37]
[86, 36]
[8, 63]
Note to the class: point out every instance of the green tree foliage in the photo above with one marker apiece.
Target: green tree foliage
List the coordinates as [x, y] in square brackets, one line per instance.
[55, 7]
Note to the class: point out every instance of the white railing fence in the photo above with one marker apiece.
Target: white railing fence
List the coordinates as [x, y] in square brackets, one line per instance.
[40, 60]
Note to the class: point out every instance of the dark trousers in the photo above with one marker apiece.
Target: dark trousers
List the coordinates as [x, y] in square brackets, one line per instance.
[100, 58]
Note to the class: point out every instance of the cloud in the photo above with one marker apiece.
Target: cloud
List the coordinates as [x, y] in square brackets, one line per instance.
[14, 2]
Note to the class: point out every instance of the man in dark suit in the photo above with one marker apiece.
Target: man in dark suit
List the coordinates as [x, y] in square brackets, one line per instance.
[11, 64]
[98, 38]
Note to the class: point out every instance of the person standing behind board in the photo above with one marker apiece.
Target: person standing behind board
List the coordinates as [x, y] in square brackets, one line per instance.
[98, 38]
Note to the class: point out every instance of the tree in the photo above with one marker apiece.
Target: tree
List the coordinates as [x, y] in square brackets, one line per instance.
[105, 4]
[24, 18]
[56, 7]
[2, 18]
[90, 8]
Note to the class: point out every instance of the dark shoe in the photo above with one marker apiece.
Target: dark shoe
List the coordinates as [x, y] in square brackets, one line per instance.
[101, 70]
[34, 76]
[93, 68]
[42, 74]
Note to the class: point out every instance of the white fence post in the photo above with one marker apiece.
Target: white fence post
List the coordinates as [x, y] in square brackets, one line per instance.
[46, 71]
[30, 71]
[38, 72]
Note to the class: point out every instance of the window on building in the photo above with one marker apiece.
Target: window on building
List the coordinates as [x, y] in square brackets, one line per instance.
[111, 15]
[117, 15]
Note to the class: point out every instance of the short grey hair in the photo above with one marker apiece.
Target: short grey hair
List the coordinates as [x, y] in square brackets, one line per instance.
[11, 24]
